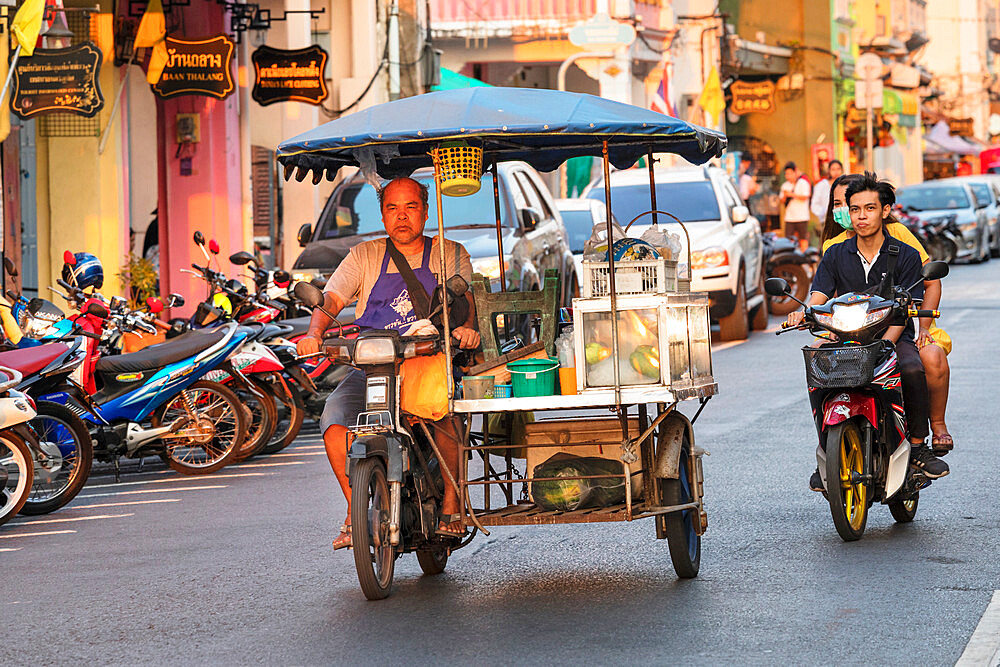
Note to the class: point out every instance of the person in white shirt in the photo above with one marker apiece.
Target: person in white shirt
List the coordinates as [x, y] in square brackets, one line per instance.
[794, 194]
[821, 191]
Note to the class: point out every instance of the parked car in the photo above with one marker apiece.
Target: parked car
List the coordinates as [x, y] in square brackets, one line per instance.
[579, 216]
[534, 238]
[986, 187]
[952, 197]
[726, 245]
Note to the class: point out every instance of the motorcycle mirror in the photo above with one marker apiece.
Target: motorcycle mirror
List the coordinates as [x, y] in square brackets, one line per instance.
[213, 247]
[69, 258]
[199, 238]
[456, 286]
[934, 270]
[282, 278]
[155, 305]
[35, 305]
[98, 309]
[309, 294]
[776, 286]
[242, 257]
[175, 300]
[9, 265]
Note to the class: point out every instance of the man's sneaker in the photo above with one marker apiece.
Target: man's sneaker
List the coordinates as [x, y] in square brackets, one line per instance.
[816, 482]
[922, 457]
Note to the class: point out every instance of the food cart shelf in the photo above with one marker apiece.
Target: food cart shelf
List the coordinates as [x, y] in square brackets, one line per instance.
[587, 399]
[527, 514]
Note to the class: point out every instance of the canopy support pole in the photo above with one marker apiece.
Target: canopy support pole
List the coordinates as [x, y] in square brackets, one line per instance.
[652, 184]
[442, 278]
[611, 274]
[496, 209]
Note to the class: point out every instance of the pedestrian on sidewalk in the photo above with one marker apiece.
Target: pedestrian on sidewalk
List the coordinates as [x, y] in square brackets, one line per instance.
[795, 192]
[821, 191]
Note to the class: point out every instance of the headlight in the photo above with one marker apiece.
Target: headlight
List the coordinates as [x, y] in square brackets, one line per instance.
[852, 317]
[489, 266]
[374, 351]
[709, 258]
[968, 226]
[37, 327]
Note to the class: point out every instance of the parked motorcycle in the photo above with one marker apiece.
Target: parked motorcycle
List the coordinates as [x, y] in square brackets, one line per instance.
[784, 259]
[16, 463]
[864, 450]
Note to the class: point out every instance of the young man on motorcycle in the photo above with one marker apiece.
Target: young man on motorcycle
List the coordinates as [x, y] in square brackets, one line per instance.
[861, 263]
[369, 274]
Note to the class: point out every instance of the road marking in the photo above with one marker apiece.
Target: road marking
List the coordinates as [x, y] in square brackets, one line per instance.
[184, 488]
[302, 454]
[984, 646]
[15, 549]
[78, 518]
[129, 502]
[954, 318]
[198, 478]
[295, 449]
[46, 532]
[726, 346]
[272, 465]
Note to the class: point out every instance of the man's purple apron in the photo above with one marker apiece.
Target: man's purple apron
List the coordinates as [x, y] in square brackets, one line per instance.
[389, 304]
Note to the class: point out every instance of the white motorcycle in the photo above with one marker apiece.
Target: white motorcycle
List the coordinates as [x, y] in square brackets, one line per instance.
[16, 465]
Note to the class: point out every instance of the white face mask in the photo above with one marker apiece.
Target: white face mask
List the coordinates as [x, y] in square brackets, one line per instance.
[842, 216]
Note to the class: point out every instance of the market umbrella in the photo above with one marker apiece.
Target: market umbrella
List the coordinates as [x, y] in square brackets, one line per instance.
[542, 127]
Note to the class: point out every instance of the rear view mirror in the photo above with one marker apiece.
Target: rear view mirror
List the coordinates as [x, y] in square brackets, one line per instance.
[309, 294]
[213, 247]
[934, 270]
[776, 286]
[282, 278]
[242, 257]
[155, 305]
[69, 258]
[739, 214]
[199, 238]
[9, 266]
[98, 309]
[529, 217]
[304, 235]
[456, 286]
[175, 300]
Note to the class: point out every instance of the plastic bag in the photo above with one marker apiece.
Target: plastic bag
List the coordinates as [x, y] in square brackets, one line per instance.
[596, 247]
[666, 243]
[424, 387]
[574, 494]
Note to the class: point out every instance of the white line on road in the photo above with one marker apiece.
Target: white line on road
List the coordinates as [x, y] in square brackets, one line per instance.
[16, 549]
[129, 502]
[295, 449]
[302, 454]
[983, 648]
[197, 478]
[183, 488]
[272, 465]
[78, 518]
[46, 532]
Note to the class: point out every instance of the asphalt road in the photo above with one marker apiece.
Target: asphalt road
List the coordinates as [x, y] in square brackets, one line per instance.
[236, 567]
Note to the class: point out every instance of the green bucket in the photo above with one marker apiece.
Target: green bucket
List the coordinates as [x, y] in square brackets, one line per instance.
[533, 377]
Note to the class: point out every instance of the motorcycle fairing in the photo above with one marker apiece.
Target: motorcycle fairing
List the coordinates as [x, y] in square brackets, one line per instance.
[848, 404]
[899, 461]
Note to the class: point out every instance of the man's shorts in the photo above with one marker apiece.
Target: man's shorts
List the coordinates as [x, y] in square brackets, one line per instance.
[344, 403]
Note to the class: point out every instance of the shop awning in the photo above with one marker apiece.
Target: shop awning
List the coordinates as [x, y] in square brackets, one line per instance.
[940, 140]
[905, 105]
[452, 80]
[756, 59]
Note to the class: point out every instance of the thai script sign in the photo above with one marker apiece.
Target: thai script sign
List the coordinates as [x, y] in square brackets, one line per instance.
[197, 67]
[62, 80]
[752, 97]
[289, 75]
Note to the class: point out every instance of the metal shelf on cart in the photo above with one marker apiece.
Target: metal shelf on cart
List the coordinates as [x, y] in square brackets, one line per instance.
[529, 514]
[587, 399]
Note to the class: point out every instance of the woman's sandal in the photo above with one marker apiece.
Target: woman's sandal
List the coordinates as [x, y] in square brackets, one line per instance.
[344, 540]
[942, 443]
[444, 524]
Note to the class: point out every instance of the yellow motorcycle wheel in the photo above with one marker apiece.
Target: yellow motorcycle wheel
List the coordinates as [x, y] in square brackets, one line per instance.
[848, 496]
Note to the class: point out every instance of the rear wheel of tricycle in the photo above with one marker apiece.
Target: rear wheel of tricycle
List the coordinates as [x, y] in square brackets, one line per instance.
[903, 511]
[845, 461]
[433, 560]
[682, 538]
[374, 557]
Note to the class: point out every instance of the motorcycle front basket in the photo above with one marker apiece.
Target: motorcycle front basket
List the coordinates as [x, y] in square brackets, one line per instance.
[842, 366]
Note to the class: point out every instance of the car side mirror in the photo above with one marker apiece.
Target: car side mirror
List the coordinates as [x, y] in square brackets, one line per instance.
[199, 238]
[934, 270]
[309, 294]
[304, 235]
[739, 214]
[242, 257]
[776, 286]
[530, 218]
[174, 300]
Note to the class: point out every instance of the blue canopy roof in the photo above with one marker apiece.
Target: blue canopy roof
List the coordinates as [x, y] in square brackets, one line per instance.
[542, 127]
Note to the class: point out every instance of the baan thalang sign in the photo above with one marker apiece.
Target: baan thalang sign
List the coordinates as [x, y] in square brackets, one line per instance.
[63, 80]
[289, 75]
[197, 67]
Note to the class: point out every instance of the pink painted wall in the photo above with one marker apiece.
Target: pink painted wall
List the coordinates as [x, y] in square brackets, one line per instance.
[210, 198]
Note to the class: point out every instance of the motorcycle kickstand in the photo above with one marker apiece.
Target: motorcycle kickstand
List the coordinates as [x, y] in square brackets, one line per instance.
[118, 471]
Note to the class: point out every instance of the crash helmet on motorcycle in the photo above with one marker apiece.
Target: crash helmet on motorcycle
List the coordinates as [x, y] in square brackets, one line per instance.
[86, 271]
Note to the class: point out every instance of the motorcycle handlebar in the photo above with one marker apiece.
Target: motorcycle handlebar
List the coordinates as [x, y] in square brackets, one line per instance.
[925, 313]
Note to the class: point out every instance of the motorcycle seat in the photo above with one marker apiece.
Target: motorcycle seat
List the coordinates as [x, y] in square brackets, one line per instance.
[30, 360]
[157, 356]
[272, 330]
[299, 326]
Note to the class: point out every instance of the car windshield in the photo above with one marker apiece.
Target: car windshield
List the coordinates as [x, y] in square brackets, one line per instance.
[358, 211]
[934, 197]
[693, 201]
[579, 225]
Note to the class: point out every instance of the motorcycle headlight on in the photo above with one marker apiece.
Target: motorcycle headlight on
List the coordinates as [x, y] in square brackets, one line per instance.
[375, 350]
[852, 317]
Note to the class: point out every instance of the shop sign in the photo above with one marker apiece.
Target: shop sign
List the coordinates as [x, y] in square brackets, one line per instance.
[752, 97]
[197, 67]
[289, 75]
[855, 119]
[58, 80]
[961, 126]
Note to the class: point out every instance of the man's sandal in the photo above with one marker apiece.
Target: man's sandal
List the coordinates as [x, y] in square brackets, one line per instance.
[343, 540]
[444, 526]
[942, 443]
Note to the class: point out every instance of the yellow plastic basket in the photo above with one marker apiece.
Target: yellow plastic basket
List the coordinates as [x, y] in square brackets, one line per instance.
[460, 166]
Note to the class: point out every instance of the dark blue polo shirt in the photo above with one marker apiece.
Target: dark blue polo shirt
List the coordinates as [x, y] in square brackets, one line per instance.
[840, 271]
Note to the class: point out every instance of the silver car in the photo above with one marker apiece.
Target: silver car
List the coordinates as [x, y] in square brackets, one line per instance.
[986, 187]
[952, 198]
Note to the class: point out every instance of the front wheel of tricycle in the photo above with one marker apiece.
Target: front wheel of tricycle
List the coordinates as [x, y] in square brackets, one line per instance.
[682, 538]
[374, 557]
[433, 561]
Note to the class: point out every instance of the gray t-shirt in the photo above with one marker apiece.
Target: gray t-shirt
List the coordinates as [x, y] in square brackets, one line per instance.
[357, 274]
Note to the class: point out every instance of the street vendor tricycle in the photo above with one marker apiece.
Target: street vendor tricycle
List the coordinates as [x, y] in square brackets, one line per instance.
[639, 338]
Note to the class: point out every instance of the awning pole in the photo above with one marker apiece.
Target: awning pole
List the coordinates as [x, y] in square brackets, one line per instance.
[652, 184]
[611, 275]
[496, 209]
[442, 279]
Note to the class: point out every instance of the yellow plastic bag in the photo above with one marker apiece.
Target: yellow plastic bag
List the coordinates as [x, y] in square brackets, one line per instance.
[423, 387]
[10, 328]
[940, 337]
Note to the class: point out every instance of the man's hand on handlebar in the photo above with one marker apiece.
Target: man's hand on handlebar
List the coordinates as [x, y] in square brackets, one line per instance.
[468, 338]
[308, 344]
[794, 319]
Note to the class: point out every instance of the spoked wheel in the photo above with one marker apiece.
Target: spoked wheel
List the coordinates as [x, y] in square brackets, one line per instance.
[848, 498]
[433, 561]
[291, 412]
[798, 281]
[682, 538]
[261, 416]
[374, 557]
[903, 511]
[62, 459]
[209, 427]
[16, 472]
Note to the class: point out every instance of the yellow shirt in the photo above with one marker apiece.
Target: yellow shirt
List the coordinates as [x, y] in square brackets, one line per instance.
[896, 230]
